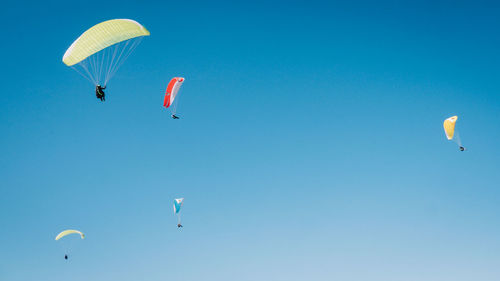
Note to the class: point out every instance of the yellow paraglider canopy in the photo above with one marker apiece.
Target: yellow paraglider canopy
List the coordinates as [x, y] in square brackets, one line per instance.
[449, 127]
[68, 232]
[101, 36]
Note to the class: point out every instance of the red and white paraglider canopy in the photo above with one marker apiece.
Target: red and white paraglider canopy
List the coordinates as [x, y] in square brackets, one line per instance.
[172, 90]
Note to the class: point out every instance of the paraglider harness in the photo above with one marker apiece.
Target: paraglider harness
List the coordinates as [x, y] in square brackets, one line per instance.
[99, 93]
[175, 116]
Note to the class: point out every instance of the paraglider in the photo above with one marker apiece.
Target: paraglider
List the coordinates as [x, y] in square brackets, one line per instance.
[101, 50]
[449, 130]
[177, 210]
[66, 233]
[172, 90]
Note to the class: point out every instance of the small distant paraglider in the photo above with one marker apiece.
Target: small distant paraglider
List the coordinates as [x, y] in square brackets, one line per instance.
[102, 49]
[449, 130]
[172, 90]
[66, 233]
[177, 210]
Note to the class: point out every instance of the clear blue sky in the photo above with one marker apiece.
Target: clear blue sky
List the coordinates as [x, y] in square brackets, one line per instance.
[311, 145]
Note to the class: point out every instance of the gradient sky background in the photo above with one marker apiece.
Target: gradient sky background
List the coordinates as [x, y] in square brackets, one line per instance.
[310, 147]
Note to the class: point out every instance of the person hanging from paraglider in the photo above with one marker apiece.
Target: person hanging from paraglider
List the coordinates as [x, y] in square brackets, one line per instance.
[65, 257]
[99, 93]
[462, 148]
[179, 225]
[175, 116]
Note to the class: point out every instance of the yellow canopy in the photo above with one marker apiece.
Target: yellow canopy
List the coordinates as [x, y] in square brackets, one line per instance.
[101, 36]
[449, 126]
[68, 232]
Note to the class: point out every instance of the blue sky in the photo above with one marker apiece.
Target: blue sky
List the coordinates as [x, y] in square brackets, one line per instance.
[310, 145]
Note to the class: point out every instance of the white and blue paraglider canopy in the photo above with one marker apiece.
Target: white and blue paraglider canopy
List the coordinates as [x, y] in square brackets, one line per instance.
[178, 204]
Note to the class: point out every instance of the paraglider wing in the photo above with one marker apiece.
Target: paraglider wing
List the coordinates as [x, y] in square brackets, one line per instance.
[178, 204]
[172, 90]
[101, 36]
[101, 50]
[68, 232]
[449, 126]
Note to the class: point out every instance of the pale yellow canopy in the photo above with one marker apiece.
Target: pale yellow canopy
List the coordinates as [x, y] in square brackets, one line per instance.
[101, 36]
[449, 126]
[68, 232]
